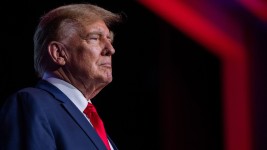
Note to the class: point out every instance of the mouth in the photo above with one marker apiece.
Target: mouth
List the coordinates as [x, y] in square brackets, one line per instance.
[107, 65]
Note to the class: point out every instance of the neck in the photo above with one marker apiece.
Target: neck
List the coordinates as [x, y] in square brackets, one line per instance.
[89, 88]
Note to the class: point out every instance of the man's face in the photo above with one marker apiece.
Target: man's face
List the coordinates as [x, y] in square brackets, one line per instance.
[89, 59]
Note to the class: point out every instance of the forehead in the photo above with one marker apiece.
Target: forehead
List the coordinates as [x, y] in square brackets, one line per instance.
[97, 26]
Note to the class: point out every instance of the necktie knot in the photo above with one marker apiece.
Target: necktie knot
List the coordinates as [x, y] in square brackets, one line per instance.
[90, 109]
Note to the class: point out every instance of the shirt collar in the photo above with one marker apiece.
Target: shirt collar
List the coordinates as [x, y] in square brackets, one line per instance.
[70, 91]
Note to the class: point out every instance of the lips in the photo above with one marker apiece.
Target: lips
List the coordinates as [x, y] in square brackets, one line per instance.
[106, 64]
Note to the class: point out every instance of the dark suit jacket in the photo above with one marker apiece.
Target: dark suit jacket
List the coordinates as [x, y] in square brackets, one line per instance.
[43, 118]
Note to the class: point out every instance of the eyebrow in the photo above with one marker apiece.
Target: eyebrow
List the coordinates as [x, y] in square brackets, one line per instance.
[110, 36]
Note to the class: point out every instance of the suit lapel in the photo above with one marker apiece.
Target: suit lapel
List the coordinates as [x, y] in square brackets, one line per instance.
[112, 143]
[84, 124]
[72, 110]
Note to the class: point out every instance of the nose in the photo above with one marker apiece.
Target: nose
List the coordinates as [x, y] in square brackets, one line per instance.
[108, 48]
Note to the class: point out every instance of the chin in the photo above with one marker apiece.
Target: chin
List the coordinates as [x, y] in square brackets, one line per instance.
[105, 77]
[109, 77]
[109, 80]
[106, 80]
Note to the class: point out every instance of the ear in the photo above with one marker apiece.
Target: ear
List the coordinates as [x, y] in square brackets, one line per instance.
[57, 53]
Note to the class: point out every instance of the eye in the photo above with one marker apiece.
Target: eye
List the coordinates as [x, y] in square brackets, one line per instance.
[94, 37]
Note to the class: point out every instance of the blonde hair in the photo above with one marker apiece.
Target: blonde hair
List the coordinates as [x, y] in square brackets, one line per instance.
[53, 24]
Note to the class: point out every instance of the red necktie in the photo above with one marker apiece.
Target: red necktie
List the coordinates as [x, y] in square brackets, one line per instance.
[96, 121]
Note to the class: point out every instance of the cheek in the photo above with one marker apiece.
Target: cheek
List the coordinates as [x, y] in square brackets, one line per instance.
[86, 58]
[88, 63]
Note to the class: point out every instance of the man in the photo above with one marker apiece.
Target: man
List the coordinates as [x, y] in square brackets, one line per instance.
[72, 55]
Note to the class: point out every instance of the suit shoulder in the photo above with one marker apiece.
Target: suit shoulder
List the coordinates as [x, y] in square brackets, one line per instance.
[31, 92]
[30, 96]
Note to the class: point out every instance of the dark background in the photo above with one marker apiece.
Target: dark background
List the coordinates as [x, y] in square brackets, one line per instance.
[166, 92]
